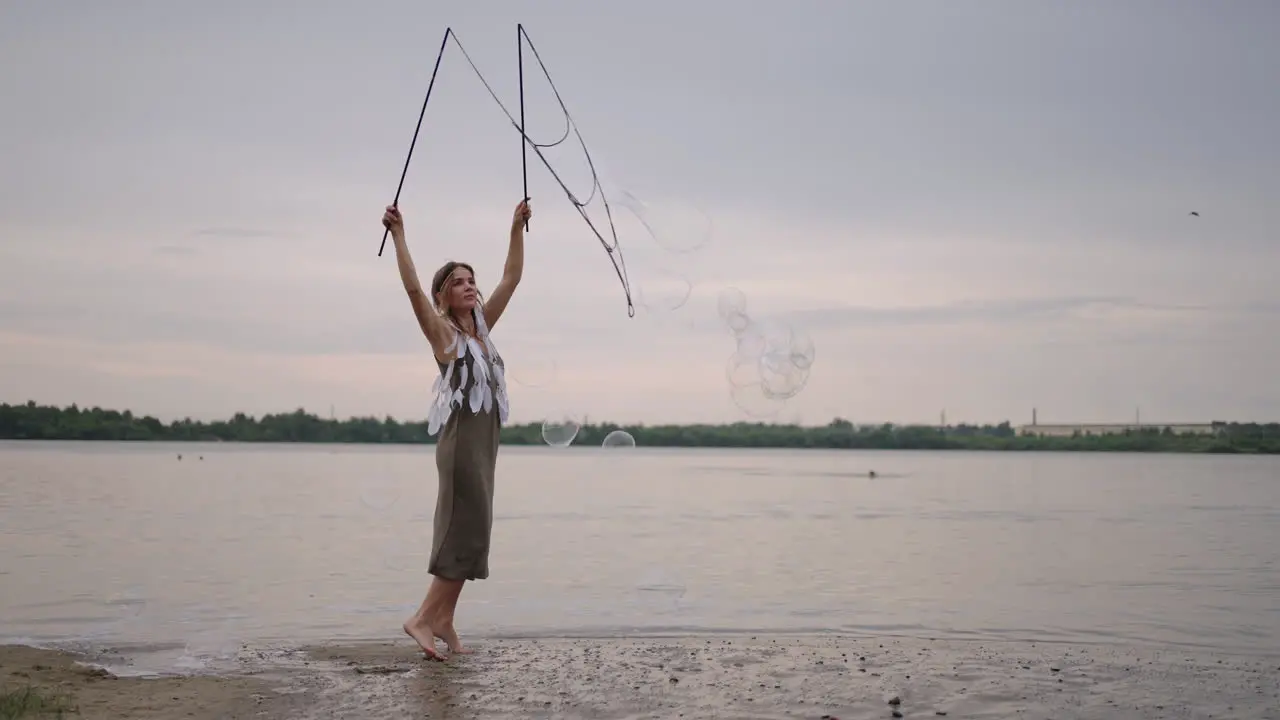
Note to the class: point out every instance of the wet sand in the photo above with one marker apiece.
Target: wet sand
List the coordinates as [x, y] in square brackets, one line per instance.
[694, 677]
[90, 692]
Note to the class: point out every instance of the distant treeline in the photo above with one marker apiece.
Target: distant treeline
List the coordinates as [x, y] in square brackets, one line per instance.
[40, 422]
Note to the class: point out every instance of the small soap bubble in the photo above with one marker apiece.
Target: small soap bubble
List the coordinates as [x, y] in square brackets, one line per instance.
[559, 429]
[618, 439]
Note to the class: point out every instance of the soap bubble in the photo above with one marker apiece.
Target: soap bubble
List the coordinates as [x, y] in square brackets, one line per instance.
[659, 279]
[379, 494]
[732, 306]
[618, 439]
[659, 288]
[771, 361]
[559, 429]
[676, 226]
[658, 240]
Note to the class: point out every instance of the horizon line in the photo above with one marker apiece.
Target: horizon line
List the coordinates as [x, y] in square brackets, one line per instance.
[585, 417]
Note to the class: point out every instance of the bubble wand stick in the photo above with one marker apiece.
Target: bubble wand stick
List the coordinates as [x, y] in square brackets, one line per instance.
[414, 141]
[524, 147]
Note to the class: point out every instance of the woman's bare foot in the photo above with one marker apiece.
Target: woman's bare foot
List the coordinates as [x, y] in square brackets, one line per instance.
[443, 629]
[422, 633]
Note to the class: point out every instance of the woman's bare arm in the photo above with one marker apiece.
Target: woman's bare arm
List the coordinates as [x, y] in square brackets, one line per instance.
[439, 333]
[512, 271]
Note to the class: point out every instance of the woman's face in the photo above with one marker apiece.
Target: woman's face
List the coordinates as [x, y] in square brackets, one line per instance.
[459, 291]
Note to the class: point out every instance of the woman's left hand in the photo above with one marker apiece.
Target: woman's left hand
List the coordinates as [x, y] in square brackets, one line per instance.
[522, 214]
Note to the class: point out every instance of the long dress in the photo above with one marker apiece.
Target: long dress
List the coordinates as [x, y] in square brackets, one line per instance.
[469, 410]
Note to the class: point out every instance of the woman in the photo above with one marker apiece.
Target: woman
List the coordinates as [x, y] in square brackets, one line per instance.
[469, 409]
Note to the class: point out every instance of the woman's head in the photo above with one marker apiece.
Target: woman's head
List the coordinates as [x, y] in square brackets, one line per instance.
[453, 289]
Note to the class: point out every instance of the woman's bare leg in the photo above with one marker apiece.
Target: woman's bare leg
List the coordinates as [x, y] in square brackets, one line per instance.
[442, 620]
[422, 627]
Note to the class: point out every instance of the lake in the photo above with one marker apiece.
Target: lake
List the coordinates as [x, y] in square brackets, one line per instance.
[126, 544]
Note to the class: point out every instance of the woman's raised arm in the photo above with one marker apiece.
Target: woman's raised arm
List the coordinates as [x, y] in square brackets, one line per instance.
[439, 333]
[512, 270]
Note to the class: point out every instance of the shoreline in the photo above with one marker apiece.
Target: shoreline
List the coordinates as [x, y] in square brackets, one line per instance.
[758, 676]
[581, 447]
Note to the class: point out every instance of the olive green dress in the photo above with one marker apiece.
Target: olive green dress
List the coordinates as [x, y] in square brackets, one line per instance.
[470, 408]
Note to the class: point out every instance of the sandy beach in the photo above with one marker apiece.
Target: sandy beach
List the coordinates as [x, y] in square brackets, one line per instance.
[73, 683]
[695, 677]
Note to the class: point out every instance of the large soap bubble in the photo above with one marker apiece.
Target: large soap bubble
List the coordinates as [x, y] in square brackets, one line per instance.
[657, 240]
[660, 287]
[771, 361]
[674, 226]
[618, 439]
[559, 429]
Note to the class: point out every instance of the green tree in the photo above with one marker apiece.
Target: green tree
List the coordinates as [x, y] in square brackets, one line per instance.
[30, 421]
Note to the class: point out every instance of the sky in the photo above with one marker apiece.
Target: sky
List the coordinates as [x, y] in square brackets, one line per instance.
[976, 208]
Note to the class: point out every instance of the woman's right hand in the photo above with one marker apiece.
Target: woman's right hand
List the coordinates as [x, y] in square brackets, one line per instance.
[392, 220]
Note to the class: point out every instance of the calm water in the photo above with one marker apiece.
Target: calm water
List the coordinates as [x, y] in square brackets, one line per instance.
[113, 543]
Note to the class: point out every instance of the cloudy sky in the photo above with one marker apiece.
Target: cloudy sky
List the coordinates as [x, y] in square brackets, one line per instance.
[979, 207]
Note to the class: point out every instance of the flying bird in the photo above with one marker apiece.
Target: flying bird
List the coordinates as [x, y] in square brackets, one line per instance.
[1193, 212]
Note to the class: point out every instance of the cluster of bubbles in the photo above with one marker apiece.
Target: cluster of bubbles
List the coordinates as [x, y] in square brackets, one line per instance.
[771, 361]
[561, 429]
[661, 244]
